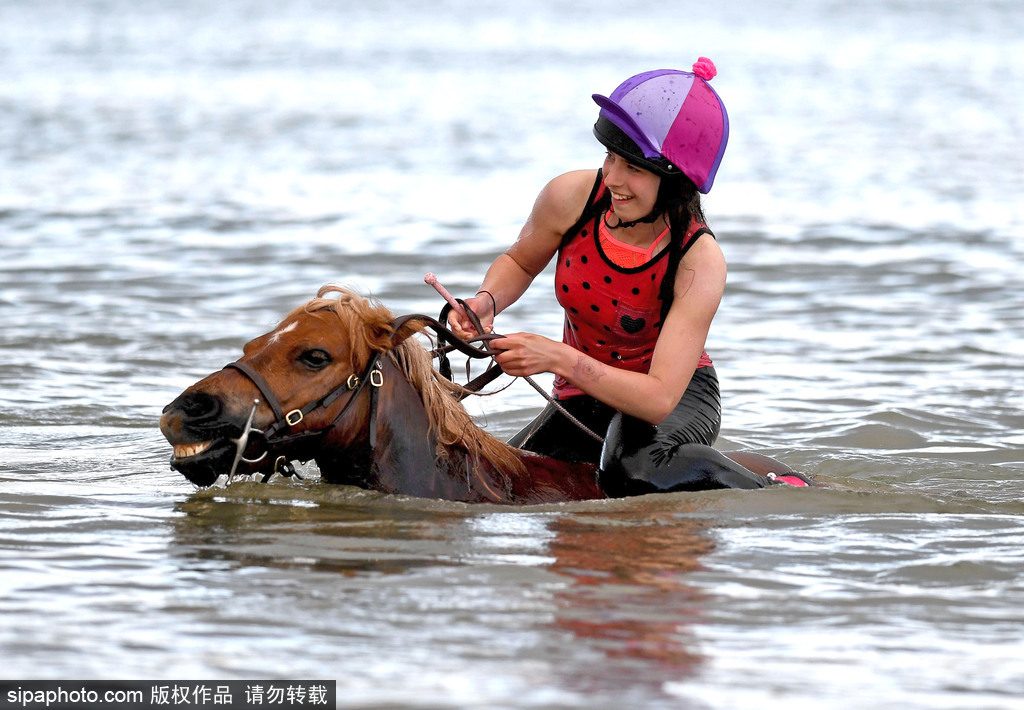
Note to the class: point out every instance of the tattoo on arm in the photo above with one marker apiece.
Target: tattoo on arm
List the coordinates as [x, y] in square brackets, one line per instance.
[587, 370]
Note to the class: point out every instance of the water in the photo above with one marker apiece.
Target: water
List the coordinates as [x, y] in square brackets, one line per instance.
[174, 177]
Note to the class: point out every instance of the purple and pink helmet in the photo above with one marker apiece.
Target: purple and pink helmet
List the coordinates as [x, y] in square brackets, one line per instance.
[673, 118]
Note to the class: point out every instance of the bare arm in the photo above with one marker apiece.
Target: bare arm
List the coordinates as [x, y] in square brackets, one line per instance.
[555, 210]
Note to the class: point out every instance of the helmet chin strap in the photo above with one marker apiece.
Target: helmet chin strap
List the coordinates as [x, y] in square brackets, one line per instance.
[654, 216]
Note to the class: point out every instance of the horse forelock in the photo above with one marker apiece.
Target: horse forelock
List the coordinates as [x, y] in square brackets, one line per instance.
[363, 320]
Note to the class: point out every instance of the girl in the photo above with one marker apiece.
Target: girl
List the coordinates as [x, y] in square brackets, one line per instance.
[640, 277]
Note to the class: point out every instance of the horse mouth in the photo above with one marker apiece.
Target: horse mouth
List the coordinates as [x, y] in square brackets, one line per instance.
[203, 462]
[183, 452]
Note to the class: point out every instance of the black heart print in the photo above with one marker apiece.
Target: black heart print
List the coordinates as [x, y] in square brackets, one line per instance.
[632, 325]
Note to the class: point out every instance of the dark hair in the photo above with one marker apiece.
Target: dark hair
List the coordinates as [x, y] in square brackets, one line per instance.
[679, 200]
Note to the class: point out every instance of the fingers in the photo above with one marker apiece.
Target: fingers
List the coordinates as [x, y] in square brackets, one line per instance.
[511, 356]
[459, 324]
[463, 327]
[461, 331]
[525, 354]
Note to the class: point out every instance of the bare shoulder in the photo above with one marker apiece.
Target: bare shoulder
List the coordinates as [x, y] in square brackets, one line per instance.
[556, 209]
[706, 252]
[704, 265]
[562, 200]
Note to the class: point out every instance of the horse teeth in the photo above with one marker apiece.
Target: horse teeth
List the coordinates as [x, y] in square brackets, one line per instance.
[184, 451]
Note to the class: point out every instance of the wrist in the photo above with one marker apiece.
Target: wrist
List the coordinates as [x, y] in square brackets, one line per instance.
[494, 303]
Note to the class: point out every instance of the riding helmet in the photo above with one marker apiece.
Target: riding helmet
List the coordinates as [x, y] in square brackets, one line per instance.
[667, 121]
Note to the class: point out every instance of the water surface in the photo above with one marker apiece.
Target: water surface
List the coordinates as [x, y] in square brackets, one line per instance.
[175, 177]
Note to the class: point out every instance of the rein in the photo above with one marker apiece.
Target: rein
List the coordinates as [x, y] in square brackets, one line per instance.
[474, 386]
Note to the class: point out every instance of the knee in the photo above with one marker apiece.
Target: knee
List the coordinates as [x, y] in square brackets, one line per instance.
[634, 462]
[626, 470]
[617, 481]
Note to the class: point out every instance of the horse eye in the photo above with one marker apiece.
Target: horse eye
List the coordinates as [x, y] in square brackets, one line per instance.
[315, 359]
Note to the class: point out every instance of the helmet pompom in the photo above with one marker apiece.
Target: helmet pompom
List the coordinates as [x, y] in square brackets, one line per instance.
[705, 68]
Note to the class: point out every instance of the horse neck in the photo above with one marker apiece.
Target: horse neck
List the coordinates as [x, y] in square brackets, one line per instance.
[405, 457]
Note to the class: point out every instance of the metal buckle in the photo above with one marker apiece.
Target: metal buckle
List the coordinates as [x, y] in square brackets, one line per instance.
[376, 377]
[293, 417]
[353, 381]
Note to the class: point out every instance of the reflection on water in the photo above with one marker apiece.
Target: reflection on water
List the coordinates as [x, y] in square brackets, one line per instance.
[319, 527]
[614, 582]
[630, 595]
[175, 177]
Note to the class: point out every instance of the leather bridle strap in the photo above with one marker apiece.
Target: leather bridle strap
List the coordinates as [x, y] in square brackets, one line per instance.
[282, 421]
[445, 335]
[261, 385]
[492, 372]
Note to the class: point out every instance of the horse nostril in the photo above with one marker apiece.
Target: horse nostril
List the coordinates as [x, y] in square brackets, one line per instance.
[200, 406]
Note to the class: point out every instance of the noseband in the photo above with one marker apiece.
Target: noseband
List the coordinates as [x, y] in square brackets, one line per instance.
[276, 436]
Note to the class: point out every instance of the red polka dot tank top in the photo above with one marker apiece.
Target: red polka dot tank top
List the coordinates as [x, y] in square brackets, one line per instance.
[612, 313]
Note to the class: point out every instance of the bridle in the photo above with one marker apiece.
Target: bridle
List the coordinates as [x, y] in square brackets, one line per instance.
[279, 435]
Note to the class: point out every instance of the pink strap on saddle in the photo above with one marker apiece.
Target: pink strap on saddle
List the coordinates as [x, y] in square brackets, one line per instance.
[791, 480]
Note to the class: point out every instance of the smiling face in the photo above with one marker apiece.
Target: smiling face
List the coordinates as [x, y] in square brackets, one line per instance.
[634, 190]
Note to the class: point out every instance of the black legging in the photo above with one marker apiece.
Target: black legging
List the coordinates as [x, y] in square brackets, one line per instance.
[637, 457]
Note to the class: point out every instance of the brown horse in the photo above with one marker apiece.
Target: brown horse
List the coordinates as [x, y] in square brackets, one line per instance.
[340, 381]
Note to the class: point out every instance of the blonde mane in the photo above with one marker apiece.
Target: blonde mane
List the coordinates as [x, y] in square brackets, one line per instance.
[368, 324]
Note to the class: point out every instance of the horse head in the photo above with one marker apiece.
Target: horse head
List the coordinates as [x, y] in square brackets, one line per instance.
[334, 376]
[283, 393]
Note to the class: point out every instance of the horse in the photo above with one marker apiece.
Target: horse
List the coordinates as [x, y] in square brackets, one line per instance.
[342, 382]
